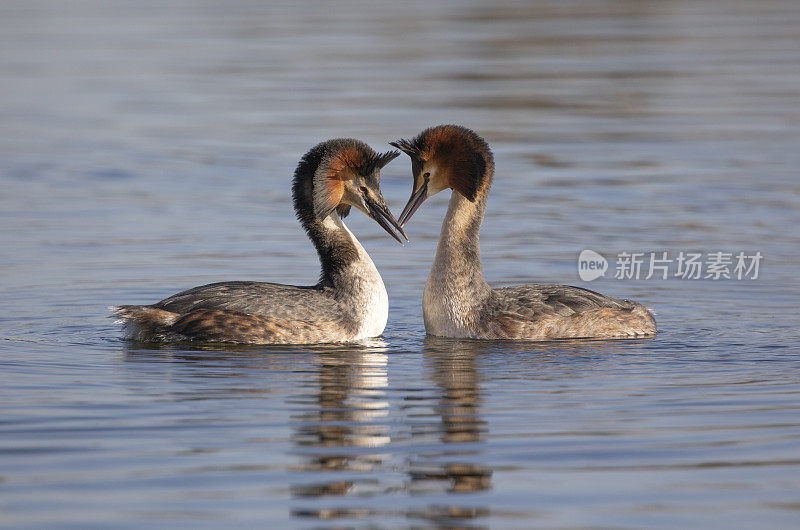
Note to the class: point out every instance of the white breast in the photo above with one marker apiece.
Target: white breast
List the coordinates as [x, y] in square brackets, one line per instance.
[369, 298]
[445, 306]
[373, 305]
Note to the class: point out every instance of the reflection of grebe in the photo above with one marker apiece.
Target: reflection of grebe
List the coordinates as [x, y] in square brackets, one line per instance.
[349, 302]
[457, 378]
[457, 301]
[348, 412]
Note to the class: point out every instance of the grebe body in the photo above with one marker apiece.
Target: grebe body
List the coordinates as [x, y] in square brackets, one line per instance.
[349, 302]
[457, 301]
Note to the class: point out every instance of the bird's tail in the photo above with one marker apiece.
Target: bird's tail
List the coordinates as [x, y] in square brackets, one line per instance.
[144, 323]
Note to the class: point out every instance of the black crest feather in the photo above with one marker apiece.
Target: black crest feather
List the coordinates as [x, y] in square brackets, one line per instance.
[412, 148]
[375, 161]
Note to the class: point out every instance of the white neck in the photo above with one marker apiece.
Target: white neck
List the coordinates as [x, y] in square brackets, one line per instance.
[455, 284]
[361, 290]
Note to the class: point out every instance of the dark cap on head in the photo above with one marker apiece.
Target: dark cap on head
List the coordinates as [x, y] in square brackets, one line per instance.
[464, 159]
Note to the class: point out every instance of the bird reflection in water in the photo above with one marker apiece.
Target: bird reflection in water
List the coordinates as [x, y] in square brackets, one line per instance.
[452, 365]
[345, 433]
[345, 427]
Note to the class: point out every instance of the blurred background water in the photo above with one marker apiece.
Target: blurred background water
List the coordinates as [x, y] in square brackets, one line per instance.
[147, 147]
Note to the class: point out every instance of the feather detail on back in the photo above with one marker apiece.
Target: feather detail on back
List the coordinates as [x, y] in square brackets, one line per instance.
[148, 324]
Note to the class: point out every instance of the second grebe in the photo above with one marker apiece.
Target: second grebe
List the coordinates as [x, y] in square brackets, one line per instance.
[457, 301]
[349, 303]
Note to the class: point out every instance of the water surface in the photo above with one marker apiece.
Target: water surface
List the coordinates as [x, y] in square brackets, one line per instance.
[148, 148]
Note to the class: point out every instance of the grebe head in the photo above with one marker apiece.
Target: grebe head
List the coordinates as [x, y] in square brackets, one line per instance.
[446, 156]
[344, 172]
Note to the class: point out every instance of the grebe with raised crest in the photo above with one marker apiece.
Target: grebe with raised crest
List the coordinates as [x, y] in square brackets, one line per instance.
[457, 302]
[348, 303]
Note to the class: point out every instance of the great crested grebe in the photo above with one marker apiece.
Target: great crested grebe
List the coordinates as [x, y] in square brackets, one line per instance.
[349, 303]
[457, 301]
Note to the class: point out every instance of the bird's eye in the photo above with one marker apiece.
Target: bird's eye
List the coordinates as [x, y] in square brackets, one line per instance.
[427, 175]
[363, 189]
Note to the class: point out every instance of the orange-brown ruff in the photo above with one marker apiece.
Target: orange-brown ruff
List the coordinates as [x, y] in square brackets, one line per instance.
[349, 302]
[457, 301]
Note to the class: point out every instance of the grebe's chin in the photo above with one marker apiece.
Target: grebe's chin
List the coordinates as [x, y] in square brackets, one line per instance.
[349, 303]
[457, 301]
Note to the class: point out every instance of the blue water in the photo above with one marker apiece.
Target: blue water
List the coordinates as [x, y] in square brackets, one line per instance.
[147, 148]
